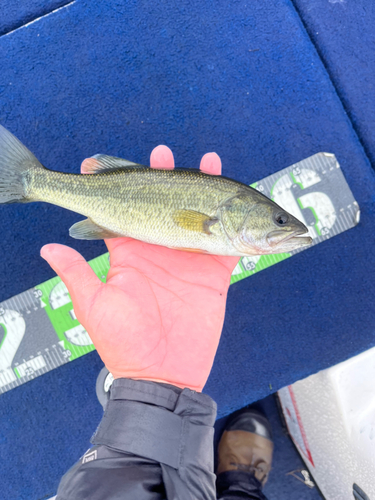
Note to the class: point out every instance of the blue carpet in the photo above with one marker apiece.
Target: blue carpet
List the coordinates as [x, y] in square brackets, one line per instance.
[344, 36]
[120, 77]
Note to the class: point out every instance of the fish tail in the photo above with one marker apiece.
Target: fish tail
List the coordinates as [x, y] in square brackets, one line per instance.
[15, 162]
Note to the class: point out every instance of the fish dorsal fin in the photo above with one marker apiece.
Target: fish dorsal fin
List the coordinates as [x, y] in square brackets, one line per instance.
[99, 163]
[194, 221]
[88, 230]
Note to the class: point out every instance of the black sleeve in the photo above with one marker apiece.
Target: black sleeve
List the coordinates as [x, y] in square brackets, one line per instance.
[155, 442]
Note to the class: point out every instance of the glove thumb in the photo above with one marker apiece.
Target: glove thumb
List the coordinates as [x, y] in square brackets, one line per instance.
[78, 277]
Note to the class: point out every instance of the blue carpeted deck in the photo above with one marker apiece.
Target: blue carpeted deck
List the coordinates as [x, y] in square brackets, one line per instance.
[344, 36]
[249, 80]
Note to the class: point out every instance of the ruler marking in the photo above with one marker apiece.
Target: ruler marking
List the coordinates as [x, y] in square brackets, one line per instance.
[8, 304]
[26, 301]
[315, 164]
[20, 308]
[57, 360]
[349, 219]
[320, 162]
[53, 356]
[29, 301]
[23, 302]
[344, 220]
[18, 305]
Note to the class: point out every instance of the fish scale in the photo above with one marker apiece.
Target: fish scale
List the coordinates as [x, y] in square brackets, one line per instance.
[135, 189]
[41, 332]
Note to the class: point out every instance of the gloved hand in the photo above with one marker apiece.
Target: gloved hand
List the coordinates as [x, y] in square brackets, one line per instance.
[160, 314]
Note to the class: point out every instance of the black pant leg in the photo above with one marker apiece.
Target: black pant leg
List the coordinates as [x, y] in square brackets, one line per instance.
[103, 473]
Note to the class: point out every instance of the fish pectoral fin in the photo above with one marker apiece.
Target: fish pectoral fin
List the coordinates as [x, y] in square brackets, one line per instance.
[194, 221]
[98, 164]
[88, 230]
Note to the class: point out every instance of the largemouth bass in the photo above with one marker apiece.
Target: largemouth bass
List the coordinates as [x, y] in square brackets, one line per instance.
[181, 209]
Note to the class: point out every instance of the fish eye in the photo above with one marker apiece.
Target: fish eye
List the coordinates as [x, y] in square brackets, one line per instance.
[281, 218]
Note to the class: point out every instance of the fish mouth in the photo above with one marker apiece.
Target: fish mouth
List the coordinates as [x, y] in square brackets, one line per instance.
[288, 240]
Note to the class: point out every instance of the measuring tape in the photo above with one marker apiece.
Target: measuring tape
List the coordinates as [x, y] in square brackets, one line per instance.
[39, 330]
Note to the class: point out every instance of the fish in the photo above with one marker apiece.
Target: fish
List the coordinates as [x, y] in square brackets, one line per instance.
[183, 209]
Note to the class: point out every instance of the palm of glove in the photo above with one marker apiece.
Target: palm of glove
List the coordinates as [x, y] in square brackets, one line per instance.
[160, 314]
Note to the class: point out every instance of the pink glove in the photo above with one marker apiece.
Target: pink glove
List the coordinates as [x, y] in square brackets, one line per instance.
[160, 314]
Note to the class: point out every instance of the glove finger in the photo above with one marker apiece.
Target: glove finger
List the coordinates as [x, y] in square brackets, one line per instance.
[162, 158]
[88, 165]
[211, 164]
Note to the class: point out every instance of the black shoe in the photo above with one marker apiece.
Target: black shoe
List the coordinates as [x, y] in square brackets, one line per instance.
[246, 444]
